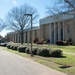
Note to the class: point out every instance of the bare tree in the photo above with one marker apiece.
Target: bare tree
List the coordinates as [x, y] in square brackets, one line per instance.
[2, 25]
[61, 6]
[17, 20]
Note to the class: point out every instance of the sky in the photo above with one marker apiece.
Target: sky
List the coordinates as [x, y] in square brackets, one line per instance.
[40, 5]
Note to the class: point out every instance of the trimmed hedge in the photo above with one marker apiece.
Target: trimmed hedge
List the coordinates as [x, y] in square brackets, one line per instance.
[27, 50]
[34, 51]
[3, 44]
[21, 48]
[55, 53]
[8, 46]
[11, 47]
[59, 42]
[43, 52]
[15, 47]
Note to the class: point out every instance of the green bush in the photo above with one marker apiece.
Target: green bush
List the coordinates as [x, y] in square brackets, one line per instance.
[15, 47]
[8, 46]
[73, 44]
[55, 53]
[3, 44]
[11, 47]
[21, 48]
[34, 51]
[43, 52]
[27, 50]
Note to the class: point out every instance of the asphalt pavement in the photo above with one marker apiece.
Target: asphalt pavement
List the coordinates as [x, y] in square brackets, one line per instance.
[13, 64]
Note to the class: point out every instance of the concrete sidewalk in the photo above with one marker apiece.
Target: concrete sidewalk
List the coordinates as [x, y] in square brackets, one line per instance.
[69, 53]
[12, 64]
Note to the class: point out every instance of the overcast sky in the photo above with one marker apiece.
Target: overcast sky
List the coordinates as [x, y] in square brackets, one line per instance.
[40, 5]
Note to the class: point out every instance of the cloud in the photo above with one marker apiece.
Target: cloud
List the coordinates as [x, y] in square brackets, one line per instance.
[14, 2]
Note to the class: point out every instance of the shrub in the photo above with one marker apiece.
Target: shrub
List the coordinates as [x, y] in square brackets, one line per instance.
[21, 48]
[27, 50]
[73, 44]
[55, 53]
[65, 43]
[8, 46]
[35, 40]
[11, 47]
[59, 43]
[34, 51]
[3, 44]
[43, 52]
[15, 47]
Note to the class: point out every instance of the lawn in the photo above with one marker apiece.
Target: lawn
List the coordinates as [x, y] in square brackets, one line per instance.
[52, 62]
[63, 48]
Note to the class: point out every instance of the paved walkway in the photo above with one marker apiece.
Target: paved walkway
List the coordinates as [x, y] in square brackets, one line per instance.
[69, 53]
[12, 64]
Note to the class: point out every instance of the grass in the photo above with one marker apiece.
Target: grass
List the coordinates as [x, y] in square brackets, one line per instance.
[54, 63]
[63, 48]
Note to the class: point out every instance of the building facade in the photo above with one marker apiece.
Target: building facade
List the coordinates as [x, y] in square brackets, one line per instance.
[16, 36]
[56, 27]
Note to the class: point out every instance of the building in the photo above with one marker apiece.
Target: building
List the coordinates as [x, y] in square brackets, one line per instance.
[56, 27]
[16, 36]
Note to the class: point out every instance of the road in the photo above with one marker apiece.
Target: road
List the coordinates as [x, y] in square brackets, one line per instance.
[13, 64]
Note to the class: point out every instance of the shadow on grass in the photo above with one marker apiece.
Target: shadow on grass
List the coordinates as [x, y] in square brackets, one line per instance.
[60, 57]
[65, 66]
[54, 56]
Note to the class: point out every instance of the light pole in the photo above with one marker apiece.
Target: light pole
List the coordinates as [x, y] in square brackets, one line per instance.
[31, 31]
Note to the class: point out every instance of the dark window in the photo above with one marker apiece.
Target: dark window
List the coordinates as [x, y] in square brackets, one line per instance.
[61, 30]
[56, 30]
[52, 26]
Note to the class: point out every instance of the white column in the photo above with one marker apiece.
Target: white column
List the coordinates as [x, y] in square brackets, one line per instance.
[15, 37]
[50, 33]
[59, 31]
[18, 38]
[63, 30]
[24, 37]
[55, 33]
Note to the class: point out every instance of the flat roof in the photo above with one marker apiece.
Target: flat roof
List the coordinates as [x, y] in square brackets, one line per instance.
[56, 18]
